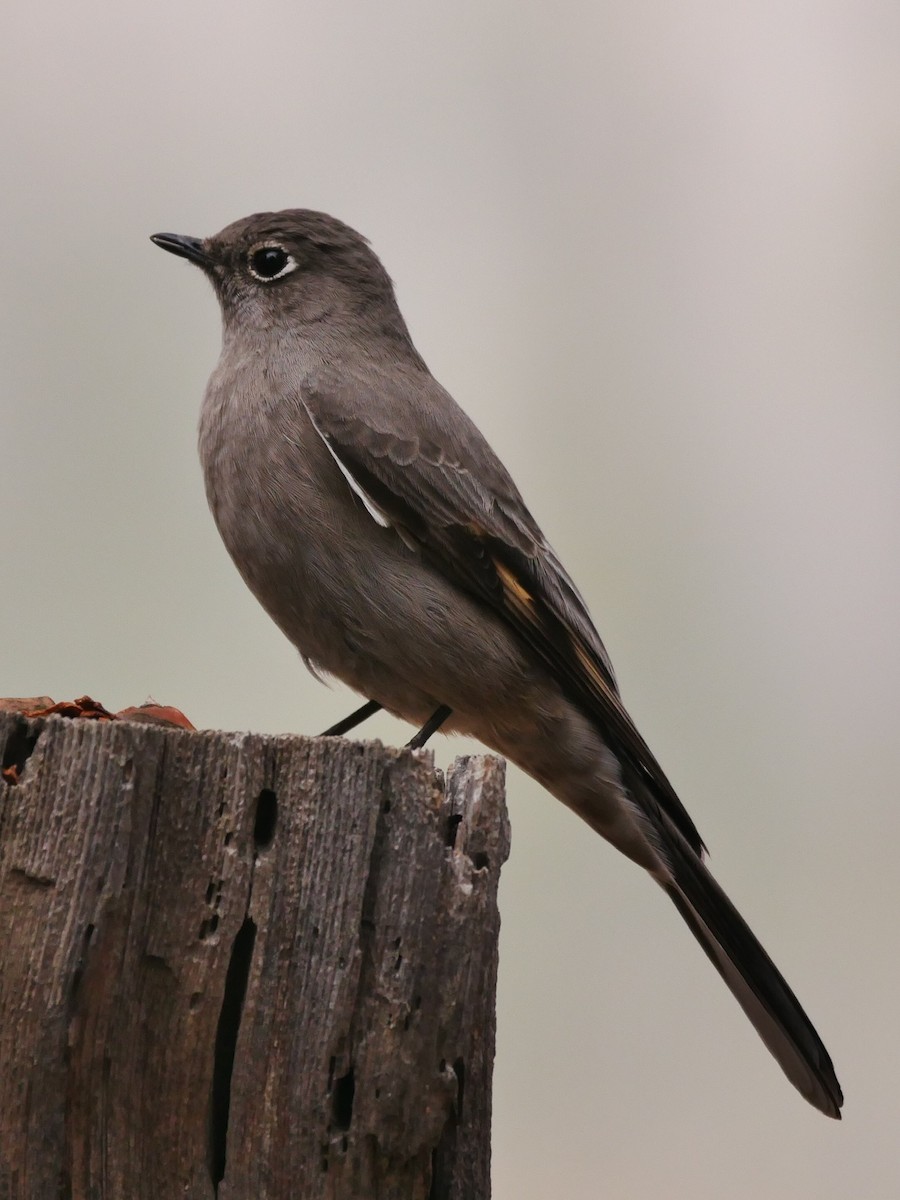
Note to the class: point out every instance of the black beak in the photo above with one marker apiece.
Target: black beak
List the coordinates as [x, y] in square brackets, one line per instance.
[190, 248]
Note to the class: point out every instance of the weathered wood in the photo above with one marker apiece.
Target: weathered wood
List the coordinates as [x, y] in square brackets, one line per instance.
[243, 966]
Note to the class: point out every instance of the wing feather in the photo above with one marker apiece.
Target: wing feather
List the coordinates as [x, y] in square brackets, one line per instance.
[445, 490]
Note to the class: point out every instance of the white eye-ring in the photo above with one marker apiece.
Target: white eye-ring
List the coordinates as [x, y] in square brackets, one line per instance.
[270, 261]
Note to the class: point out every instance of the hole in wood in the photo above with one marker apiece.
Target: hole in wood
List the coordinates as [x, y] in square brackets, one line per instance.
[453, 822]
[208, 927]
[266, 818]
[480, 860]
[342, 1101]
[19, 748]
[226, 1044]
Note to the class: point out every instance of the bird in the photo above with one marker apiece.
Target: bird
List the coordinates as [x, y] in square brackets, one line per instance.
[387, 540]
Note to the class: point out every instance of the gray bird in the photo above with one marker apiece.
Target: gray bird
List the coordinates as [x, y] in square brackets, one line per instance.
[386, 539]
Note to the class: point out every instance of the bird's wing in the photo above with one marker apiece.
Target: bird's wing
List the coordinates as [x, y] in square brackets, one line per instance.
[420, 465]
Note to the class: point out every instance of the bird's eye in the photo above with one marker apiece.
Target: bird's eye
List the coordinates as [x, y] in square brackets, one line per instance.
[268, 263]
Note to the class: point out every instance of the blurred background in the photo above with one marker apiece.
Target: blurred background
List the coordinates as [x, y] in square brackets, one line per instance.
[652, 248]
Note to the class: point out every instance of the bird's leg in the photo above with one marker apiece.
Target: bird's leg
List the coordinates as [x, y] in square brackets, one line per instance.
[432, 725]
[356, 718]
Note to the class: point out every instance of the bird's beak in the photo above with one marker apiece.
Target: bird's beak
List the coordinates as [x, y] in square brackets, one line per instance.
[190, 248]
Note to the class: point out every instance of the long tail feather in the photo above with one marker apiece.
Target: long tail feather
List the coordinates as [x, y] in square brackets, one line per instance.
[753, 978]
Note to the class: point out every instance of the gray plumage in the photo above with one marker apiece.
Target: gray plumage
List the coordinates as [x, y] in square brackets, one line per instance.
[389, 543]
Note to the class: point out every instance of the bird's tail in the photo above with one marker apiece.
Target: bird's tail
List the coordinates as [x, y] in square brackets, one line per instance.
[753, 978]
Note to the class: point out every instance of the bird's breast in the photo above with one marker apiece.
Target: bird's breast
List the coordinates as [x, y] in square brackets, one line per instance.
[300, 537]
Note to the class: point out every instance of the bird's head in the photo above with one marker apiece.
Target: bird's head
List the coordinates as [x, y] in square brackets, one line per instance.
[291, 269]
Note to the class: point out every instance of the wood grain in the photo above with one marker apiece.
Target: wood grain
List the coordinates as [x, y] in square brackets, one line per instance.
[243, 966]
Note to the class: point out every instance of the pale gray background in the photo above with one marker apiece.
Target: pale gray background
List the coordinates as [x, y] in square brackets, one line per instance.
[652, 248]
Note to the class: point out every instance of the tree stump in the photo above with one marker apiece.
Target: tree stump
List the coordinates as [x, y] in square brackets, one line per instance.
[245, 967]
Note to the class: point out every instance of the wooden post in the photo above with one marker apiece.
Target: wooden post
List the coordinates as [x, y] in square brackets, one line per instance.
[245, 967]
